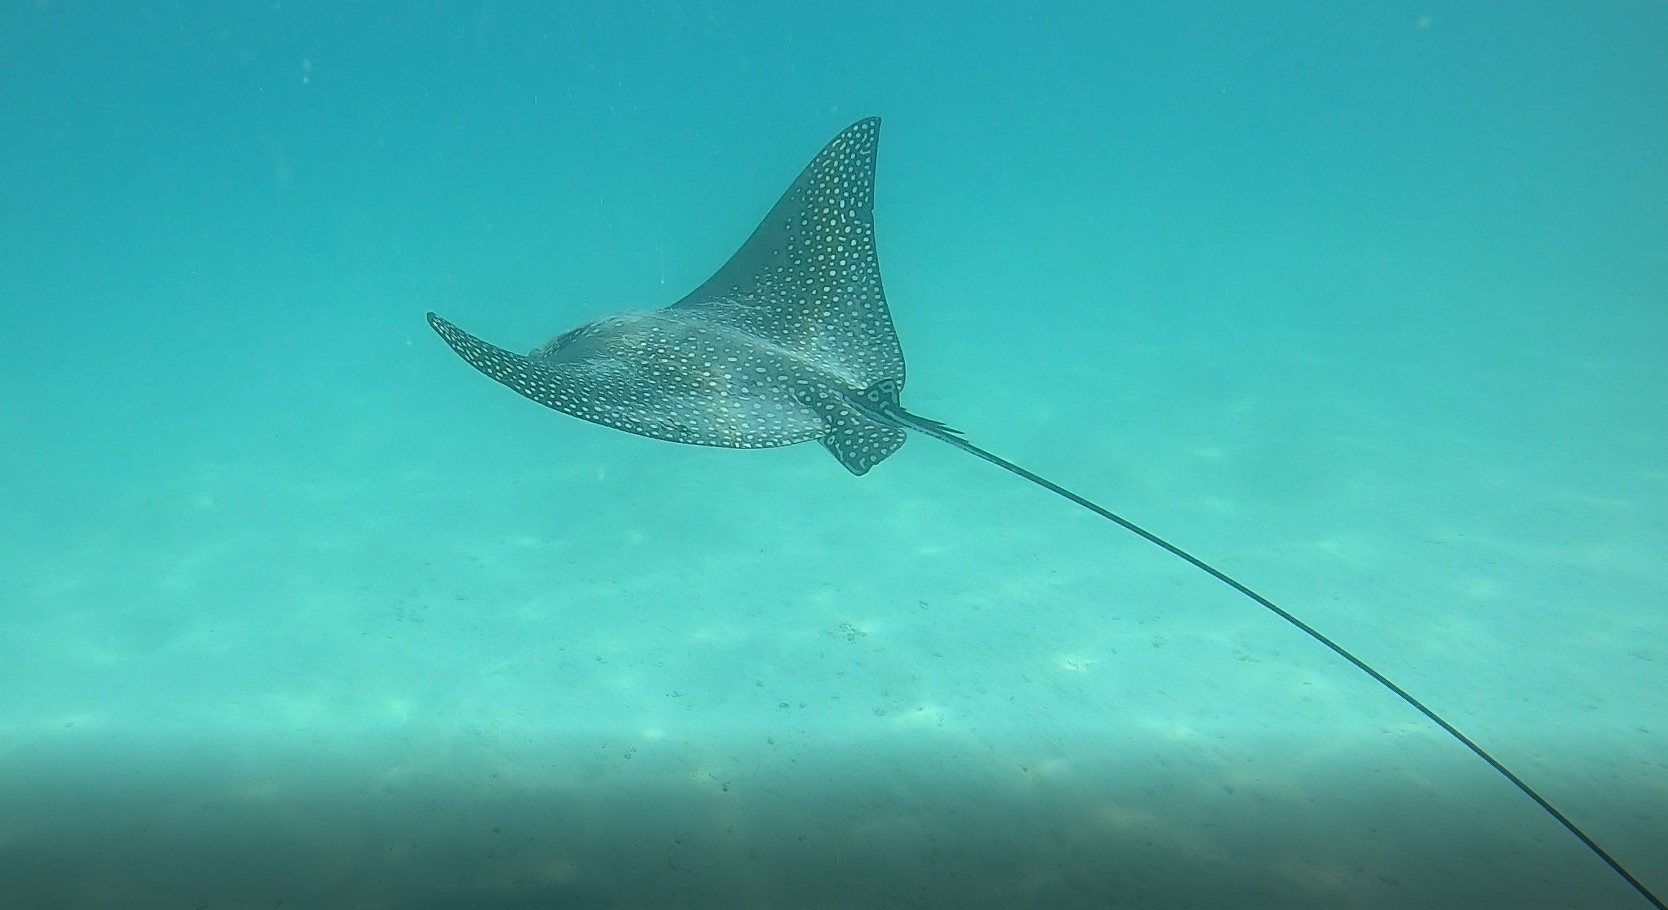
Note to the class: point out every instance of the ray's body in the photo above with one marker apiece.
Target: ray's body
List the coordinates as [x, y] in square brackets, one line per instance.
[792, 341]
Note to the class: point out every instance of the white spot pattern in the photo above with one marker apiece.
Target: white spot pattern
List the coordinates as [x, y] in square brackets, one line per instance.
[774, 349]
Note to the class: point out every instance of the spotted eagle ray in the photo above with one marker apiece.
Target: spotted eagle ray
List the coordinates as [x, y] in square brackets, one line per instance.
[792, 340]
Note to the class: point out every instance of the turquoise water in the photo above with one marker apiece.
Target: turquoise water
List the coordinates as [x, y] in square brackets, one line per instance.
[1363, 302]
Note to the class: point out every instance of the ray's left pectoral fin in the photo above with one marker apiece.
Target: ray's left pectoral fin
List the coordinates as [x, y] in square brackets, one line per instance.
[517, 371]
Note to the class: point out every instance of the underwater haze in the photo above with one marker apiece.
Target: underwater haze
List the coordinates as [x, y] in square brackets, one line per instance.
[1365, 303]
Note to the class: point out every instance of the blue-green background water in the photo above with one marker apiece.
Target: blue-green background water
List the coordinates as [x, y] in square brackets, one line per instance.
[1364, 302]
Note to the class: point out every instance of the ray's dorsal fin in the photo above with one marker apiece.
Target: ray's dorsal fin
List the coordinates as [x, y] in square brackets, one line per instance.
[862, 436]
[808, 278]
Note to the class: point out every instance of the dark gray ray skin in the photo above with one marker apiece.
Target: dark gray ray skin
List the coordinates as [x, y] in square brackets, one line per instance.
[790, 341]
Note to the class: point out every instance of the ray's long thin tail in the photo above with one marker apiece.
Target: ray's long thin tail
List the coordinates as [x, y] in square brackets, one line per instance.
[953, 437]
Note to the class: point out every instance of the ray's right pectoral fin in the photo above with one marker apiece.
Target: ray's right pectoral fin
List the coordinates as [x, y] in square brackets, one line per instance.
[852, 438]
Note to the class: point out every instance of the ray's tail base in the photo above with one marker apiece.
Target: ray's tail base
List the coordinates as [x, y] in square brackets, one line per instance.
[954, 437]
